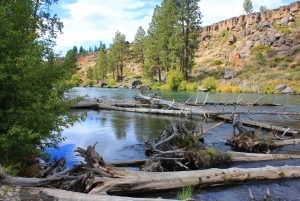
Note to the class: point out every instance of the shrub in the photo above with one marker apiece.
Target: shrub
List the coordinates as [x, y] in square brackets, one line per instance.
[260, 58]
[192, 86]
[217, 62]
[86, 82]
[261, 48]
[111, 82]
[183, 85]
[156, 86]
[75, 81]
[284, 29]
[165, 87]
[174, 78]
[228, 89]
[209, 83]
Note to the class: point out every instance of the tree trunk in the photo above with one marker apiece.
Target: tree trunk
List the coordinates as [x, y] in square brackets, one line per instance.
[144, 182]
[48, 194]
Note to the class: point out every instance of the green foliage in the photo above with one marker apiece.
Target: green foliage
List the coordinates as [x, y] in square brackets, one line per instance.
[261, 48]
[216, 62]
[11, 170]
[284, 29]
[87, 82]
[182, 86]
[75, 80]
[156, 86]
[185, 193]
[260, 58]
[165, 87]
[139, 45]
[192, 86]
[248, 7]
[212, 152]
[224, 33]
[89, 73]
[33, 109]
[174, 79]
[100, 67]
[209, 83]
[111, 82]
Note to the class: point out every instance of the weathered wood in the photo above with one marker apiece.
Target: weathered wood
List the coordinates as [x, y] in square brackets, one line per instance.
[280, 143]
[234, 157]
[262, 125]
[134, 182]
[232, 104]
[11, 193]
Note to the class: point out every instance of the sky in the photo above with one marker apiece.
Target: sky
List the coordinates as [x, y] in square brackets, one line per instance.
[87, 22]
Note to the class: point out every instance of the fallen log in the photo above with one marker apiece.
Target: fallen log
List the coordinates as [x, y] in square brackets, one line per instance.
[232, 104]
[48, 194]
[262, 125]
[234, 157]
[143, 182]
[128, 182]
[249, 141]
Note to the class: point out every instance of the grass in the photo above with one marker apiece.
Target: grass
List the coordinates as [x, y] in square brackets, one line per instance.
[284, 29]
[212, 152]
[185, 193]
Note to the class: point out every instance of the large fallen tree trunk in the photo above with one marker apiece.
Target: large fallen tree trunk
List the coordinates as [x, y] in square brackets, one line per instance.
[108, 180]
[48, 194]
[234, 157]
[138, 182]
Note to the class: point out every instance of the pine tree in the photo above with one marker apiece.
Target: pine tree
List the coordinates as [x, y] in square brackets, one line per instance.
[90, 73]
[96, 48]
[75, 50]
[153, 50]
[263, 8]
[139, 45]
[82, 50]
[248, 7]
[120, 50]
[188, 33]
[101, 66]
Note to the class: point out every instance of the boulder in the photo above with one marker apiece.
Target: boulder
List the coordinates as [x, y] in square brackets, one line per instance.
[268, 39]
[288, 90]
[102, 84]
[206, 36]
[229, 73]
[286, 20]
[264, 25]
[135, 83]
[280, 88]
[232, 39]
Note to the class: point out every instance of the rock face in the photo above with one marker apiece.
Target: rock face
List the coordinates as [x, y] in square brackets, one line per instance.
[229, 73]
[246, 21]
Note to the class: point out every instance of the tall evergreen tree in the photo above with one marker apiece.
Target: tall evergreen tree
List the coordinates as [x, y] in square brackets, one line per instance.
[120, 49]
[248, 7]
[101, 66]
[139, 45]
[82, 50]
[75, 50]
[188, 33]
[153, 57]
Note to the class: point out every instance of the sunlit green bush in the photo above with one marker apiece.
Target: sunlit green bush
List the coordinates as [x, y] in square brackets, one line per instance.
[210, 83]
[174, 79]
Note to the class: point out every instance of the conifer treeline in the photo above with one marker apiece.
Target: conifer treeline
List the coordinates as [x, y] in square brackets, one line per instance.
[169, 43]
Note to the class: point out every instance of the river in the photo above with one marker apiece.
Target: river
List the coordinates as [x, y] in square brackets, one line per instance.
[121, 135]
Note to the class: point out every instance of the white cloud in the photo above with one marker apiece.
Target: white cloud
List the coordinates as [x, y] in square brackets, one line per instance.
[89, 21]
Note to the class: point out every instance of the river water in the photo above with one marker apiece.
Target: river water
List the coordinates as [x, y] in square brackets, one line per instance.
[121, 135]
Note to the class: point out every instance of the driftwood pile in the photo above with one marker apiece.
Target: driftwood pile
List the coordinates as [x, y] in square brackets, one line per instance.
[179, 148]
[80, 178]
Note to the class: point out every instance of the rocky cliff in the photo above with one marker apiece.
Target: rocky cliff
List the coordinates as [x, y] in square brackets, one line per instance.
[259, 47]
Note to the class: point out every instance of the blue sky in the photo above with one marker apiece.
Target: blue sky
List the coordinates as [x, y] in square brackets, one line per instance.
[87, 22]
